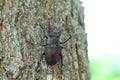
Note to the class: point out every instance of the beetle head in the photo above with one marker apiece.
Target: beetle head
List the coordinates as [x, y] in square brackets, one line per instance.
[54, 32]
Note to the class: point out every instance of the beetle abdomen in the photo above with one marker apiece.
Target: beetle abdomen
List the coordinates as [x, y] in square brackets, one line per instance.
[52, 54]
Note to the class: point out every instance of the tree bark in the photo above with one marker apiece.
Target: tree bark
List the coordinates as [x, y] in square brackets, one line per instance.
[20, 22]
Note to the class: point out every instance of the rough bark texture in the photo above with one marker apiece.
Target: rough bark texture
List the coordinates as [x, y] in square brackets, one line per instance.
[19, 21]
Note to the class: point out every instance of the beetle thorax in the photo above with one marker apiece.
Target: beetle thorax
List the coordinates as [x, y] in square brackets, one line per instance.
[53, 41]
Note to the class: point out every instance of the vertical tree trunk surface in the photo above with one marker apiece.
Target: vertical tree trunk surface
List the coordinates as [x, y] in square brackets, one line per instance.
[20, 22]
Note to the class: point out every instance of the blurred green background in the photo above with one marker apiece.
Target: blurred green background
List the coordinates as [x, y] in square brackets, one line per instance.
[106, 67]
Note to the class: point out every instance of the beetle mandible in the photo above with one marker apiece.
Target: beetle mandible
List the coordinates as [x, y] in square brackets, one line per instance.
[52, 47]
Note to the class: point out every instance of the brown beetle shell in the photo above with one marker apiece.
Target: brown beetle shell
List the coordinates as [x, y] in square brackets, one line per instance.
[52, 54]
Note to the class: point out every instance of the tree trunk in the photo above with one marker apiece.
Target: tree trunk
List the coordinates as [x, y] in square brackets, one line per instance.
[19, 27]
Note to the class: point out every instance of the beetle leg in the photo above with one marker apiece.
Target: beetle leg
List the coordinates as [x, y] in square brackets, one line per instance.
[41, 28]
[65, 40]
[43, 32]
[41, 44]
[41, 57]
[36, 68]
[61, 61]
[39, 62]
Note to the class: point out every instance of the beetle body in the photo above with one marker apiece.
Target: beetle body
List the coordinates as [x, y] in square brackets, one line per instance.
[52, 47]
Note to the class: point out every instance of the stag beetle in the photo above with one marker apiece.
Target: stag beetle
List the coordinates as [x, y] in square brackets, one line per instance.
[52, 45]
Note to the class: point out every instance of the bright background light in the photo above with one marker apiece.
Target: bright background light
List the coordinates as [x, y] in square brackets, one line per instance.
[102, 22]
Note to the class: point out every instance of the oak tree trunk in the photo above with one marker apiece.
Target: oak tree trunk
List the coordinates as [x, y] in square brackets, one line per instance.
[20, 22]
